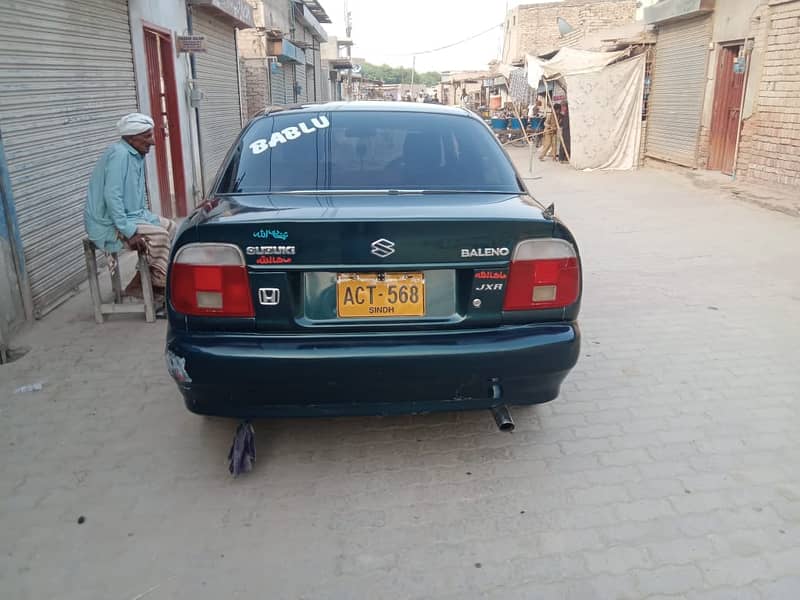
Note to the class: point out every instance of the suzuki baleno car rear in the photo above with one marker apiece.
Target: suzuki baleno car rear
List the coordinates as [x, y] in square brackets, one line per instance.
[370, 258]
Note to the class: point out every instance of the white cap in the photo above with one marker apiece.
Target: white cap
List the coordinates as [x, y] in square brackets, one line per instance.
[134, 124]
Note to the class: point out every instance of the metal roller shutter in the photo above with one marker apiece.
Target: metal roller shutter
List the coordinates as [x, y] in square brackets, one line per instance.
[300, 77]
[676, 100]
[277, 84]
[220, 111]
[289, 74]
[311, 84]
[66, 77]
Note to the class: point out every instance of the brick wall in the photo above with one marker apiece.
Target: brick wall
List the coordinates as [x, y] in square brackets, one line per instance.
[256, 85]
[704, 147]
[769, 151]
[533, 28]
[252, 43]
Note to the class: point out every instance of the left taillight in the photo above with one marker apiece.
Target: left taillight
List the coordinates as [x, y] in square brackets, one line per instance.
[210, 280]
[544, 273]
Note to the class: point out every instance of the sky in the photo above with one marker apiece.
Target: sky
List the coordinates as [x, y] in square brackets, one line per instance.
[389, 31]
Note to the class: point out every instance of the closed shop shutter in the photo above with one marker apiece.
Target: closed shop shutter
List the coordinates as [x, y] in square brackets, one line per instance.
[277, 83]
[311, 90]
[217, 75]
[66, 77]
[300, 77]
[288, 83]
[676, 100]
[312, 85]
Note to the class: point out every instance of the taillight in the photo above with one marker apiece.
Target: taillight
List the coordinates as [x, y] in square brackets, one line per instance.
[543, 274]
[210, 280]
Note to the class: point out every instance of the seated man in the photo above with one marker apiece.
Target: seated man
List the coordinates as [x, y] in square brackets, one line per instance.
[116, 213]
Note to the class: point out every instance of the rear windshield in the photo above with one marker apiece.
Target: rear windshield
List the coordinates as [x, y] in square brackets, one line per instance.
[360, 150]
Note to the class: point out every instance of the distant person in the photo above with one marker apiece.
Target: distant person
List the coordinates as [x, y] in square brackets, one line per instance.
[566, 147]
[464, 100]
[550, 135]
[436, 98]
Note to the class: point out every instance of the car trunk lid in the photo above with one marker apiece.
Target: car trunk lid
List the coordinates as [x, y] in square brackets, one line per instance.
[304, 252]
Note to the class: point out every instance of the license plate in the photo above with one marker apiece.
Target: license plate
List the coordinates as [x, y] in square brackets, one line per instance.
[368, 295]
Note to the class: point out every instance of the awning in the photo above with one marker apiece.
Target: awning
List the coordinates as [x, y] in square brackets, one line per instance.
[673, 10]
[340, 64]
[237, 12]
[569, 61]
[317, 10]
[286, 51]
[308, 17]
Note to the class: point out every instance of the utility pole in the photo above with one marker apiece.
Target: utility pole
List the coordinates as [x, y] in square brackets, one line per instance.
[413, 67]
[349, 29]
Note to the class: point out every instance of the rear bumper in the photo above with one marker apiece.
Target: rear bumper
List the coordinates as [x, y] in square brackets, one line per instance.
[249, 376]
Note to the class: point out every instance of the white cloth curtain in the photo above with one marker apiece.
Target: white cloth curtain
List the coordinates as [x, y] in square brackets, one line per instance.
[605, 112]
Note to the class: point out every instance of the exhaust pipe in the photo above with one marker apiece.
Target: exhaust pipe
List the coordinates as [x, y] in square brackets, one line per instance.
[500, 413]
[503, 418]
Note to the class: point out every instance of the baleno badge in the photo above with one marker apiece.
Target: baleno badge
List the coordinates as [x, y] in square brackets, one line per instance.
[483, 252]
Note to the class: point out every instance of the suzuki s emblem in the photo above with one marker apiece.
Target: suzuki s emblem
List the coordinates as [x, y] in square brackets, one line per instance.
[382, 247]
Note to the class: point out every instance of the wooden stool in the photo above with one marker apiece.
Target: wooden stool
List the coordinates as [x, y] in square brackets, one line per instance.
[116, 306]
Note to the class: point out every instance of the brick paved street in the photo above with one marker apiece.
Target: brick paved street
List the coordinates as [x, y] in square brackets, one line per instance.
[669, 467]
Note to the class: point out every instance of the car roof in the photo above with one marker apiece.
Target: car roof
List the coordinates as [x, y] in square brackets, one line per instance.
[370, 106]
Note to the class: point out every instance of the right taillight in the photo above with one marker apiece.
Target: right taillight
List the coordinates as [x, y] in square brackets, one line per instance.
[543, 274]
[210, 280]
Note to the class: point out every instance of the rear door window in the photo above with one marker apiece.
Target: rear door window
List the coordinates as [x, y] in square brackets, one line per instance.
[367, 150]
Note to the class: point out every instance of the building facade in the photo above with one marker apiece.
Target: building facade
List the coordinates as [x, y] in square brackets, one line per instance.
[769, 150]
[280, 57]
[464, 88]
[726, 79]
[534, 28]
[70, 70]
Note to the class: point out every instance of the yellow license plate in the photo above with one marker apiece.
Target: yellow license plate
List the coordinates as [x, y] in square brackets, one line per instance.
[367, 295]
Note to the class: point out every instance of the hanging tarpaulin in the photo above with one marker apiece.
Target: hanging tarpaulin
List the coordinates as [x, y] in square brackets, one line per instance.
[551, 88]
[534, 70]
[569, 61]
[505, 69]
[518, 88]
[516, 81]
[605, 112]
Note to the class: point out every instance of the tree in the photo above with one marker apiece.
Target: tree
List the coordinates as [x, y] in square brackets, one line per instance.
[389, 74]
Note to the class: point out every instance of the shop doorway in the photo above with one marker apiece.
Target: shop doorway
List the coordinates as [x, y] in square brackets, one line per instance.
[160, 58]
[728, 91]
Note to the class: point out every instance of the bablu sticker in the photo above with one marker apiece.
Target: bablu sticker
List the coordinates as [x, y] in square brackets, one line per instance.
[288, 134]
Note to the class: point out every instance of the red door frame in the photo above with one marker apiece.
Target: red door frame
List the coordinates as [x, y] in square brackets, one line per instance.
[728, 90]
[161, 66]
